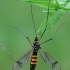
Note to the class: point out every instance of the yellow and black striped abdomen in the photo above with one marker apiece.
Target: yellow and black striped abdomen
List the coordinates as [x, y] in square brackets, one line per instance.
[33, 61]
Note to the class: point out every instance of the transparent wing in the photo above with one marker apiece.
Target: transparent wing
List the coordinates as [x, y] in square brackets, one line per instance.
[22, 61]
[49, 60]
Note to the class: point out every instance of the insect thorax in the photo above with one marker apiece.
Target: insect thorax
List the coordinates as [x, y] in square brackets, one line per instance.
[36, 44]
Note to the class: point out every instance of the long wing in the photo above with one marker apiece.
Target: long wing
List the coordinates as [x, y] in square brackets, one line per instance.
[22, 61]
[49, 60]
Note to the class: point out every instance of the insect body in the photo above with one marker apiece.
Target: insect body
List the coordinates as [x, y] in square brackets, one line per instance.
[36, 47]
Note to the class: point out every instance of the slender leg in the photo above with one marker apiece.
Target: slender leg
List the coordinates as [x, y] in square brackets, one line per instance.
[46, 20]
[7, 52]
[21, 33]
[33, 19]
[53, 35]
[47, 41]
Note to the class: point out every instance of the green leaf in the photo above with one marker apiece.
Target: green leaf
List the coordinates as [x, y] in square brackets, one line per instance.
[40, 3]
[59, 7]
[56, 4]
[67, 6]
[52, 21]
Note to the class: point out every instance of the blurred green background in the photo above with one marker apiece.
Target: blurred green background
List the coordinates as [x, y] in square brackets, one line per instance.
[15, 12]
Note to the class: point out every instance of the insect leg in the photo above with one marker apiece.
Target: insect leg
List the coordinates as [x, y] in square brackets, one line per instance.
[53, 35]
[21, 33]
[46, 20]
[7, 52]
[33, 19]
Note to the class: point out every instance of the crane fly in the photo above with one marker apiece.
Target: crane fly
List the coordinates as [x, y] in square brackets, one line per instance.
[32, 54]
[36, 48]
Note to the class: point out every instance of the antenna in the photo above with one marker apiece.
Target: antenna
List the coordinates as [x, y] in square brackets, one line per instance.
[33, 19]
[46, 20]
[54, 34]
